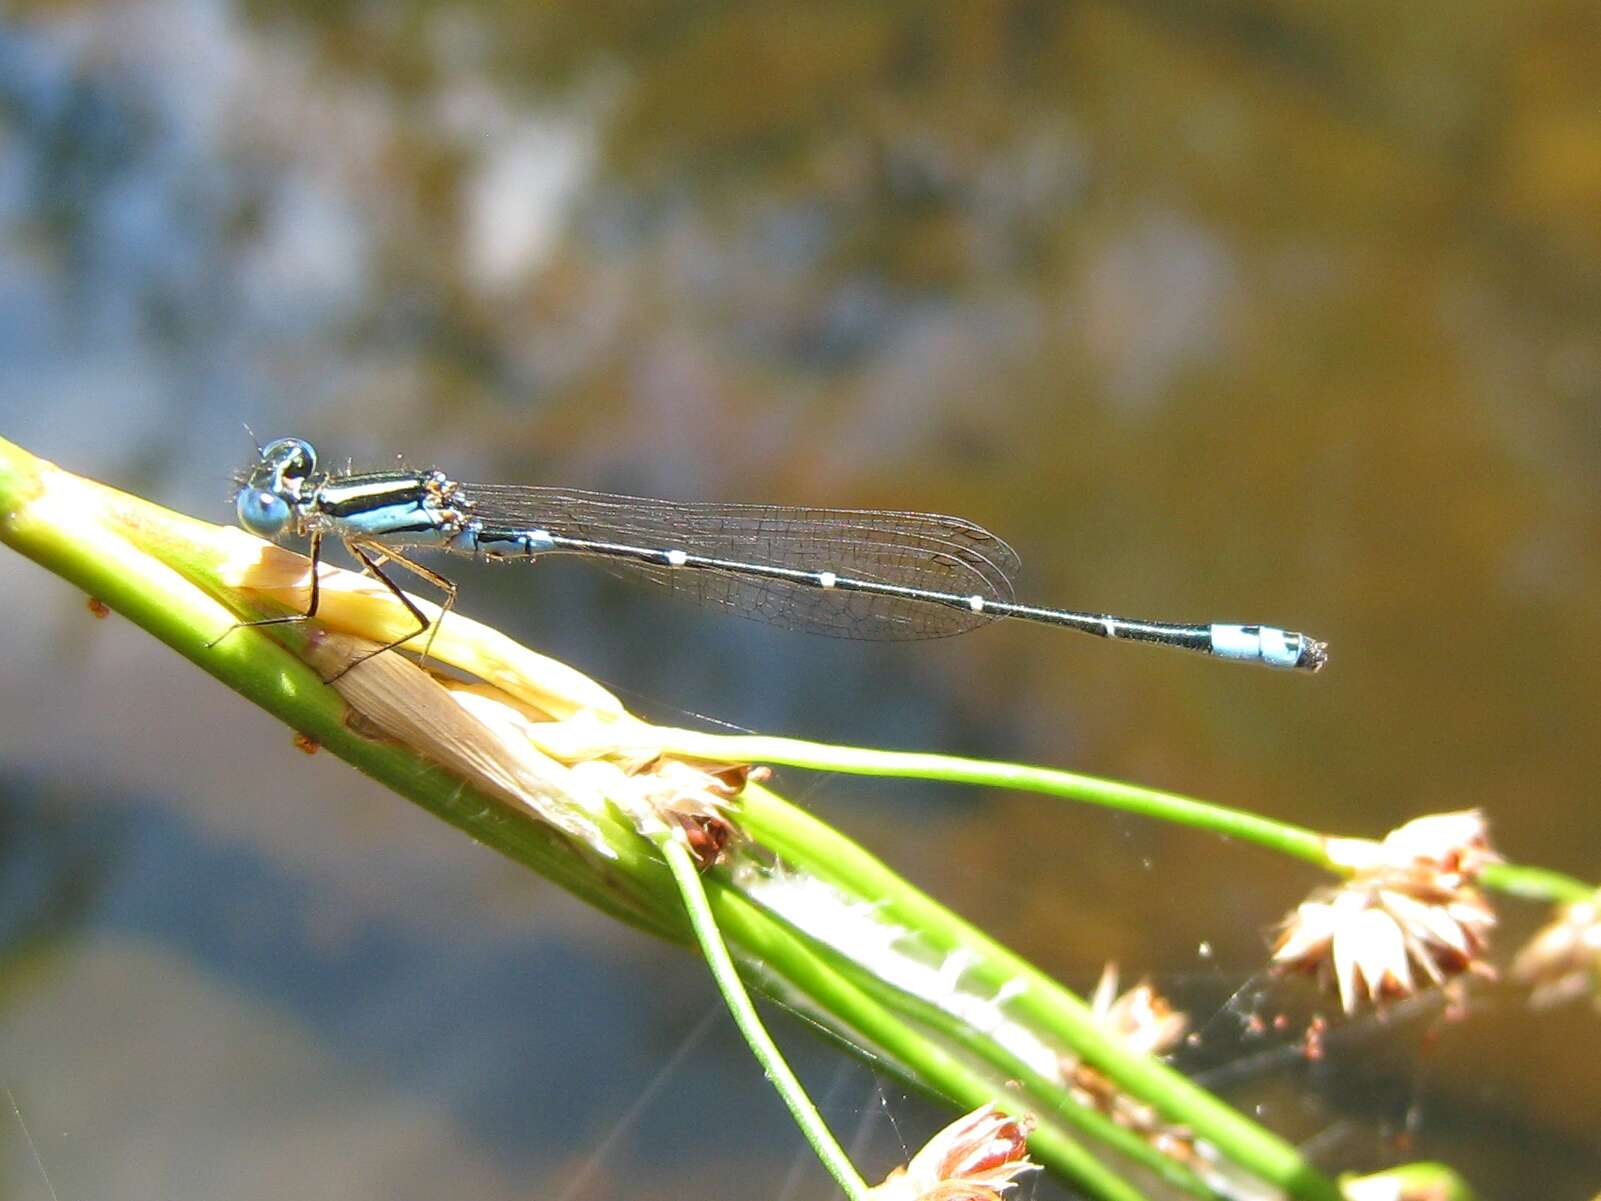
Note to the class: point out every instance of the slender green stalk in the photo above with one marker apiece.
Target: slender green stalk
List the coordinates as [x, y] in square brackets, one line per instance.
[788, 959]
[1535, 883]
[1039, 1000]
[1148, 802]
[1531, 883]
[739, 1004]
[1028, 1081]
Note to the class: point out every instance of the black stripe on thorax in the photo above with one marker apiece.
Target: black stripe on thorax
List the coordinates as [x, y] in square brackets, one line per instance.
[352, 495]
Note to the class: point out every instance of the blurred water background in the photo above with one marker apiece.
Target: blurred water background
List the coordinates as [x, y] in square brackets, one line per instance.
[1218, 310]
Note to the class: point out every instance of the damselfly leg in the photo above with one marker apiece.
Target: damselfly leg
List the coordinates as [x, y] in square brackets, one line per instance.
[371, 556]
[291, 618]
[387, 555]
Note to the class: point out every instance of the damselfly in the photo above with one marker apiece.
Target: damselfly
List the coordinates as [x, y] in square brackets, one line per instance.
[848, 573]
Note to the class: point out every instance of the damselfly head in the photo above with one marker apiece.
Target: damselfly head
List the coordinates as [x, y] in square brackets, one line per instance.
[267, 495]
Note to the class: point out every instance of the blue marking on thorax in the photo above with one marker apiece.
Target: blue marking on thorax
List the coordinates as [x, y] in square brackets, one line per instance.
[417, 522]
[384, 509]
[405, 518]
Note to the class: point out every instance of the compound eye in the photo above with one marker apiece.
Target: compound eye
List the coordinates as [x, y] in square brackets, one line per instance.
[291, 457]
[261, 512]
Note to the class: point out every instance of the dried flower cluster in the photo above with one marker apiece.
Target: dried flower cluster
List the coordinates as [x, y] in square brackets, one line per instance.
[1144, 1021]
[1563, 960]
[696, 797]
[1140, 1017]
[1411, 902]
[976, 1158]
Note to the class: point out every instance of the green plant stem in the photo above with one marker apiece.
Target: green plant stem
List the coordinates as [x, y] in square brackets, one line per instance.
[1040, 1002]
[1149, 802]
[1536, 883]
[796, 967]
[739, 1003]
[1058, 1102]
[1531, 883]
